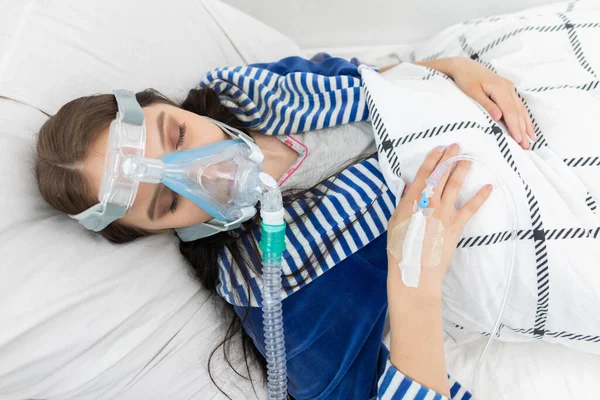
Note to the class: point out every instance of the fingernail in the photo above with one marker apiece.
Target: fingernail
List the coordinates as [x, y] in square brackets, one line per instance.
[453, 146]
[440, 149]
[489, 187]
[518, 138]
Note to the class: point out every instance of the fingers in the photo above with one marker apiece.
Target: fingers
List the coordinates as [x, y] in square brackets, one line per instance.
[473, 205]
[455, 183]
[451, 151]
[503, 95]
[491, 107]
[437, 156]
[529, 128]
[415, 189]
[522, 112]
[516, 116]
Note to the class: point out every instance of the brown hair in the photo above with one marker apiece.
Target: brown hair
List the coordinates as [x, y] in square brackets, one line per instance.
[62, 147]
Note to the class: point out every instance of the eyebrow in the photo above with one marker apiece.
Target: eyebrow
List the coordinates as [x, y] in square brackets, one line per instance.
[160, 122]
[152, 206]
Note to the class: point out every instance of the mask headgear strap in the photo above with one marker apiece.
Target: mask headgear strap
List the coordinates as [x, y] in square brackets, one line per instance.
[101, 215]
[256, 155]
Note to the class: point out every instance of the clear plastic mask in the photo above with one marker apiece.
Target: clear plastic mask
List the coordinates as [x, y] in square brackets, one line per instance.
[220, 178]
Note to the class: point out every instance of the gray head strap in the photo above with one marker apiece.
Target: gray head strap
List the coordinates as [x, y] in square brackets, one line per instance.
[100, 216]
[214, 226]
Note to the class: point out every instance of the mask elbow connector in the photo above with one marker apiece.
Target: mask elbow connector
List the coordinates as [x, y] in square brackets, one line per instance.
[142, 169]
[271, 210]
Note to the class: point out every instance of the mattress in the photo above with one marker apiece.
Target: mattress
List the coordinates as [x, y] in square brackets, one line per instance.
[515, 371]
[531, 371]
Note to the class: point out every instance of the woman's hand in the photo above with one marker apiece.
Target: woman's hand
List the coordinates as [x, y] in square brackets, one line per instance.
[496, 94]
[443, 202]
[416, 334]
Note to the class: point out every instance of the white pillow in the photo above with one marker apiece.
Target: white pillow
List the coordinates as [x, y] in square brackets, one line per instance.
[254, 41]
[53, 52]
[81, 318]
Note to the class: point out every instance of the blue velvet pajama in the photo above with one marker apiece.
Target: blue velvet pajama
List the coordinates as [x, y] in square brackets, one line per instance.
[334, 327]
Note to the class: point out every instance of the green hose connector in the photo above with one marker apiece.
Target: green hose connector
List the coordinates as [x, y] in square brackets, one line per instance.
[272, 240]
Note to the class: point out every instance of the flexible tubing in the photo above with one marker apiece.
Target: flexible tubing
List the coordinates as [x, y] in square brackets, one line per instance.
[432, 181]
[273, 329]
[272, 243]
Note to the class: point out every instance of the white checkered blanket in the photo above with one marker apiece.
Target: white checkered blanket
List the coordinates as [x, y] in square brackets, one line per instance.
[552, 54]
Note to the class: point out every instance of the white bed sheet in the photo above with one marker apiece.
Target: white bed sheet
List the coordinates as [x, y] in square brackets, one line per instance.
[519, 371]
[532, 371]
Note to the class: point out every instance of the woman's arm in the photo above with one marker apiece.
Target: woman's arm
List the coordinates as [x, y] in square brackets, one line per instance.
[444, 65]
[417, 340]
[495, 93]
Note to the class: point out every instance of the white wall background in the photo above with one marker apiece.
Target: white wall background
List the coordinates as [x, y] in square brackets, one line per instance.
[323, 24]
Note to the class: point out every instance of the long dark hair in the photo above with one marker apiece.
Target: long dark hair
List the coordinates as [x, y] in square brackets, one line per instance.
[62, 148]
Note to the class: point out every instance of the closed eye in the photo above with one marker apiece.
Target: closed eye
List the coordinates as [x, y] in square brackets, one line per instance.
[174, 203]
[182, 129]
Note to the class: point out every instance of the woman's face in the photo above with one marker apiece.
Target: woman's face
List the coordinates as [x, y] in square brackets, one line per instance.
[168, 129]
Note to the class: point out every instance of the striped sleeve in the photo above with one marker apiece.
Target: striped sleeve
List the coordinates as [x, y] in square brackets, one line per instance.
[321, 64]
[282, 104]
[393, 385]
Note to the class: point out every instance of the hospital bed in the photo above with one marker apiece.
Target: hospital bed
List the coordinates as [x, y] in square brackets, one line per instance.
[83, 319]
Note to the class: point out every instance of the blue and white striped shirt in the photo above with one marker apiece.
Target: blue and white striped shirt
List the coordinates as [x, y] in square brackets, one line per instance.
[297, 102]
[393, 385]
[284, 98]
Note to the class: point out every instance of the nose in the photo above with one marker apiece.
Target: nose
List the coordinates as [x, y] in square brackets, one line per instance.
[221, 170]
[219, 179]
